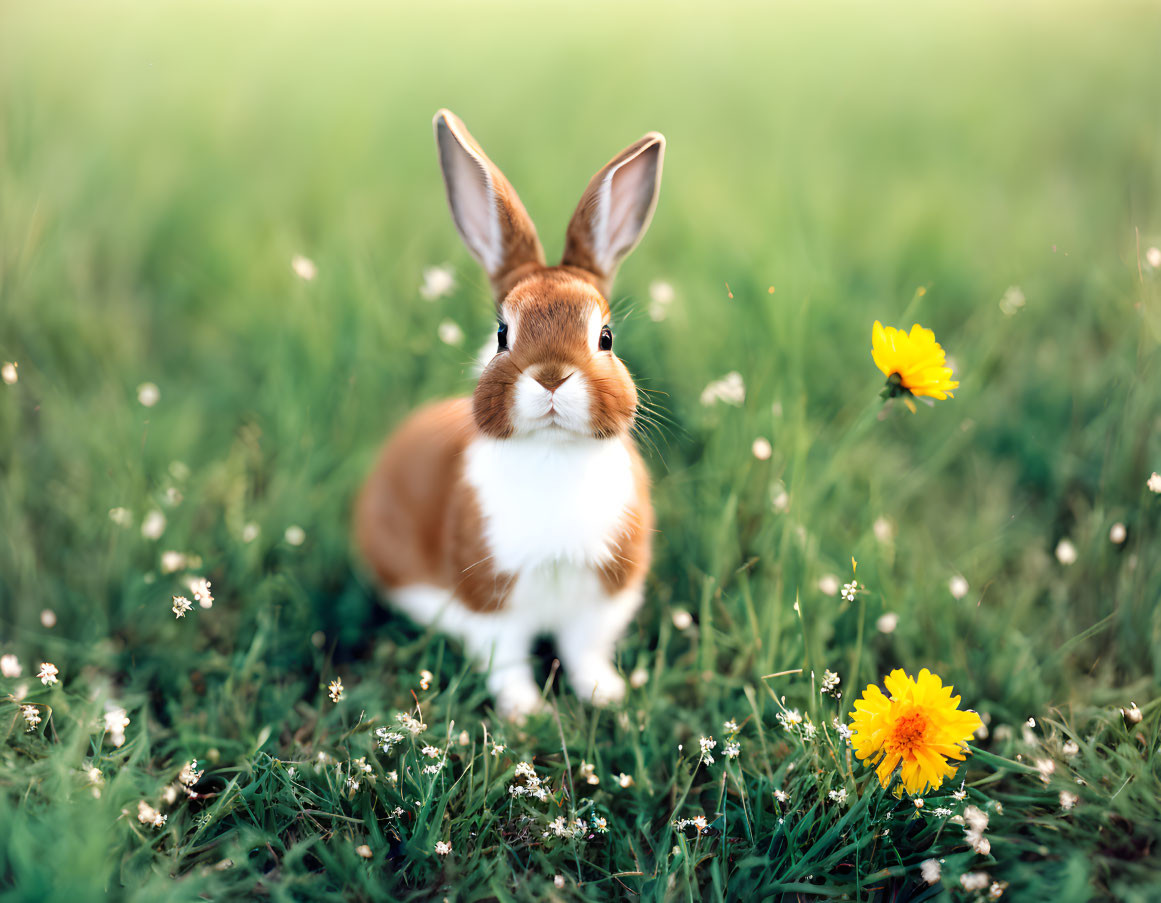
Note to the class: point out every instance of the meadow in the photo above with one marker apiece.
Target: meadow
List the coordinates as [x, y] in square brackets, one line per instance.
[218, 229]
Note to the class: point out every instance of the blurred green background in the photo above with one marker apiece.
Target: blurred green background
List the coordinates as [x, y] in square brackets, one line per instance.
[161, 165]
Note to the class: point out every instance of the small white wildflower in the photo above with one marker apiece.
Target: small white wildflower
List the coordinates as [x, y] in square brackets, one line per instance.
[169, 795]
[841, 729]
[438, 281]
[883, 529]
[941, 812]
[387, 739]
[762, 449]
[10, 666]
[682, 619]
[412, 725]
[31, 716]
[1132, 714]
[1065, 552]
[497, 748]
[732, 749]
[782, 796]
[638, 678]
[838, 796]
[1046, 767]
[828, 584]
[48, 672]
[1070, 748]
[425, 679]
[600, 825]
[830, 681]
[8, 373]
[364, 851]
[1153, 258]
[1067, 800]
[181, 605]
[122, 517]
[790, 719]
[780, 498]
[730, 727]
[996, 890]
[1117, 533]
[661, 295]
[250, 532]
[1012, 301]
[304, 268]
[200, 587]
[588, 773]
[148, 394]
[918, 802]
[974, 880]
[930, 870]
[1154, 482]
[189, 773]
[442, 848]
[558, 880]
[153, 525]
[961, 794]
[887, 622]
[958, 587]
[625, 781]
[808, 729]
[294, 535]
[48, 618]
[450, 333]
[850, 590]
[393, 777]
[730, 389]
[335, 689]
[147, 815]
[116, 720]
[432, 752]
[172, 561]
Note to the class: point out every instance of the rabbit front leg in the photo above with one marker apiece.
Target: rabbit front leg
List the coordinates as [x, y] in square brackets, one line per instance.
[586, 638]
[501, 646]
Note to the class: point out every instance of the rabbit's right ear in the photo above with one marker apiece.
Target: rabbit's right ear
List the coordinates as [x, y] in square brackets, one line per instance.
[486, 209]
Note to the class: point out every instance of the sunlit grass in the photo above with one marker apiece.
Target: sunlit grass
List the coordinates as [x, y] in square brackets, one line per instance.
[217, 233]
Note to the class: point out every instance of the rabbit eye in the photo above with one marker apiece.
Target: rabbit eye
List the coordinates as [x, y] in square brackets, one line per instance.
[502, 337]
[606, 342]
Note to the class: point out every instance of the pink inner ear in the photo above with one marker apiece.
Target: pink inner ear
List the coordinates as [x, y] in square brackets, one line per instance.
[628, 198]
[473, 206]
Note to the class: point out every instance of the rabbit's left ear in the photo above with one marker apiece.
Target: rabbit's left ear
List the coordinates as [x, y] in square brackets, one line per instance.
[615, 210]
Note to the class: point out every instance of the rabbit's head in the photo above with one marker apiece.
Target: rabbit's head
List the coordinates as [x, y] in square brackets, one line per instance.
[554, 371]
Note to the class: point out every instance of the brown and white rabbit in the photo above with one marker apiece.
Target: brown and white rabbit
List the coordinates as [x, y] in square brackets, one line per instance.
[524, 510]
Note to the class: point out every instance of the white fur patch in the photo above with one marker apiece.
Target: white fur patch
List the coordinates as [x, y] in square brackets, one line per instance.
[550, 497]
[536, 408]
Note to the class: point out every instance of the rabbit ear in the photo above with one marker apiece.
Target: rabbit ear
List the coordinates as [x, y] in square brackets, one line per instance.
[486, 209]
[615, 210]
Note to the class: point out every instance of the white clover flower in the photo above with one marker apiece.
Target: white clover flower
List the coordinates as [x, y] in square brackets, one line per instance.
[48, 618]
[883, 529]
[181, 605]
[638, 678]
[115, 723]
[31, 716]
[172, 561]
[558, 880]
[147, 815]
[782, 796]
[762, 449]
[1154, 482]
[450, 333]
[838, 796]
[48, 672]
[958, 587]
[148, 394]
[974, 880]
[304, 268]
[1012, 301]
[1070, 748]
[438, 282]
[200, 587]
[1117, 533]
[153, 525]
[364, 851]
[887, 622]
[1153, 258]
[250, 532]
[1067, 800]
[335, 689]
[10, 666]
[294, 535]
[442, 848]
[1066, 552]
[682, 619]
[930, 870]
[625, 781]
[189, 773]
[828, 584]
[1046, 767]
[8, 373]
[730, 389]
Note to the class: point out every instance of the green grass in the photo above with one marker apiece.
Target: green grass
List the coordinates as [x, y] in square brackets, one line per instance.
[161, 164]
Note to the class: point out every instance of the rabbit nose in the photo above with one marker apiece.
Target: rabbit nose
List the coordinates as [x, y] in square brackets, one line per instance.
[552, 383]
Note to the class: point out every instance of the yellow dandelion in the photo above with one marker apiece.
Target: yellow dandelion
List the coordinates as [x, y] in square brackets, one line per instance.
[914, 363]
[918, 727]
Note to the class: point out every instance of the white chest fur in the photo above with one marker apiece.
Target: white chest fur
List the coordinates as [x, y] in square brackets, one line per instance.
[548, 500]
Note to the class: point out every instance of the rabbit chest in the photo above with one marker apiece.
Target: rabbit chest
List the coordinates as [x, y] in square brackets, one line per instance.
[546, 501]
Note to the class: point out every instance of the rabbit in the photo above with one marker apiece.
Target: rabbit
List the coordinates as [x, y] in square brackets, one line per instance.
[525, 509]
